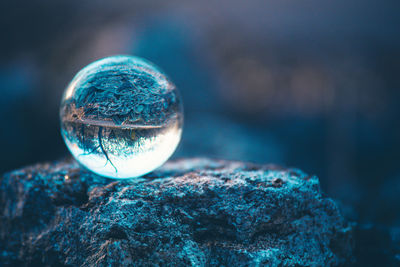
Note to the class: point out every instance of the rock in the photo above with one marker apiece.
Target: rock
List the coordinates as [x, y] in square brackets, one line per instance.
[197, 212]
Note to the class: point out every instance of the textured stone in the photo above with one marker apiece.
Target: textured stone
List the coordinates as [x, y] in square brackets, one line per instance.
[197, 212]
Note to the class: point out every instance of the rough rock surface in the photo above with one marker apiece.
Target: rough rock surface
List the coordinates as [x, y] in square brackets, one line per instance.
[197, 212]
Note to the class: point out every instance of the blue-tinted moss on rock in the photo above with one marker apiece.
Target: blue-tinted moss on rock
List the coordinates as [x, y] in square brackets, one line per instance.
[196, 212]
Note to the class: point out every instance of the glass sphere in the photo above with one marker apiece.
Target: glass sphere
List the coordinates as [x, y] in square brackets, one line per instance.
[121, 117]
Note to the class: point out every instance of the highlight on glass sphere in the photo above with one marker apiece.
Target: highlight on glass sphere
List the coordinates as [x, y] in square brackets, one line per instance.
[121, 117]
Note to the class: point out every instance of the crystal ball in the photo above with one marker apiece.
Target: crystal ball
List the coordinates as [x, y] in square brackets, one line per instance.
[121, 117]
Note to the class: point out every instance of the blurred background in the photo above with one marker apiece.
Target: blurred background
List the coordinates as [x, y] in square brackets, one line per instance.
[306, 84]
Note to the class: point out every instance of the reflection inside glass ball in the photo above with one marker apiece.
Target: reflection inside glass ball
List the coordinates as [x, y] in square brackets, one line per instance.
[121, 117]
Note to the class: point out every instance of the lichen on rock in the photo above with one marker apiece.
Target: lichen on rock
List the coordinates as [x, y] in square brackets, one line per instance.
[196, 212]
